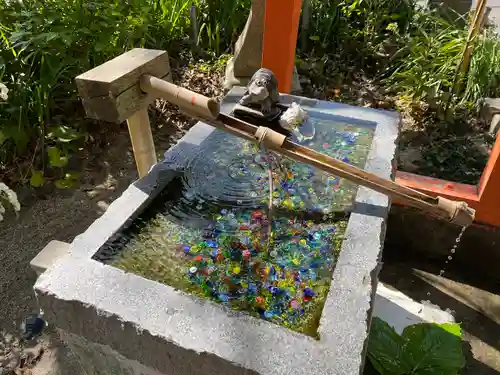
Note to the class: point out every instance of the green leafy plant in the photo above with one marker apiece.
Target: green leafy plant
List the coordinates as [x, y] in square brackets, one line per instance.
[422, 349]
[44, 45]
[37, 179]
[362, 30]
[483, 77]
[427, 63]
[425, 67]
[221, 21]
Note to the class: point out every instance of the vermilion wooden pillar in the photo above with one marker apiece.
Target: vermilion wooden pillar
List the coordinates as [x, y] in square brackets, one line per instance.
[281, 27]
[488, 210]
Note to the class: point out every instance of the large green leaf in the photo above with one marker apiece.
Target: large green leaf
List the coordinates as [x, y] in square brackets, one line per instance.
[422, 349]
[37, 179]
[385, 349]
[434, 348]
[57, 158]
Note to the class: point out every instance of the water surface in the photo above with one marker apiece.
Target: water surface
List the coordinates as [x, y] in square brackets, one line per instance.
[207, 232]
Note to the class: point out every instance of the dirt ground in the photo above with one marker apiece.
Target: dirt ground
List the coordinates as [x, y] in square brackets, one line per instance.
[60, 216]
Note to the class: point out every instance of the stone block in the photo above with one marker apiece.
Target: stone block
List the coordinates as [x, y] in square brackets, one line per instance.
[146, 327]
[400, 311]
[495, 124]
[490, 108]
[247, 57]
[49, 255]
[455, 6]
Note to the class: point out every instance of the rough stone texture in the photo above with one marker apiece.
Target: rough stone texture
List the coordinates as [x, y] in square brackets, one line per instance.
[490, 112]
[495, 124]
[458, 6]
[49, 255]
[175, 333]
[101, 359]
[248, 51]
[491, 107]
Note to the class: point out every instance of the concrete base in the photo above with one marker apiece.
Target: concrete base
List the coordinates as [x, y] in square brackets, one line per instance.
[400, 311]
[490, 112]
[458, 6]
[394, 307]
[175, 333]
[495, 125]
[49, 255]
[97, 359]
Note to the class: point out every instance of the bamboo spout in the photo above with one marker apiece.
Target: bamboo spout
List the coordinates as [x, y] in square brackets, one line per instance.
[207, 110]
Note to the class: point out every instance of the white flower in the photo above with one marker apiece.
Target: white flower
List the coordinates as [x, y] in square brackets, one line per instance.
[8, 195]
[4, 91]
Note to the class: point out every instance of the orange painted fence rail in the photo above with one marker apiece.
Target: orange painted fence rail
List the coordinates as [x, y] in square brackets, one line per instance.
[484, 198]
[281, 25]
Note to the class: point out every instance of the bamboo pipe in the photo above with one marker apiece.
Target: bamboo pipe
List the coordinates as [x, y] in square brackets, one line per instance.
[207, 110]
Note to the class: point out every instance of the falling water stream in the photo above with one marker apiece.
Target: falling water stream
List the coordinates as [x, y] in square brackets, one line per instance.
[207, 233]
[453, 250]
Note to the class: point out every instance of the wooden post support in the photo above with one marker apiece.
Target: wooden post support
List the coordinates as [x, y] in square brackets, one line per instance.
[142, 141]
[281, 27]
[111, 92]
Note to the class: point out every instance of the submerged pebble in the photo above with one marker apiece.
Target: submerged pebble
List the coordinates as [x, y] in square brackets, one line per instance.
[228, 258]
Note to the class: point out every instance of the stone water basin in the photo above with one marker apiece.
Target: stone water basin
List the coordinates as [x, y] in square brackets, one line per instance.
[185, 261]
[207, 232]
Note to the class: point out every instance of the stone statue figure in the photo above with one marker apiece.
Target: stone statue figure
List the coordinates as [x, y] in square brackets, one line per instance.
[262, 92]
